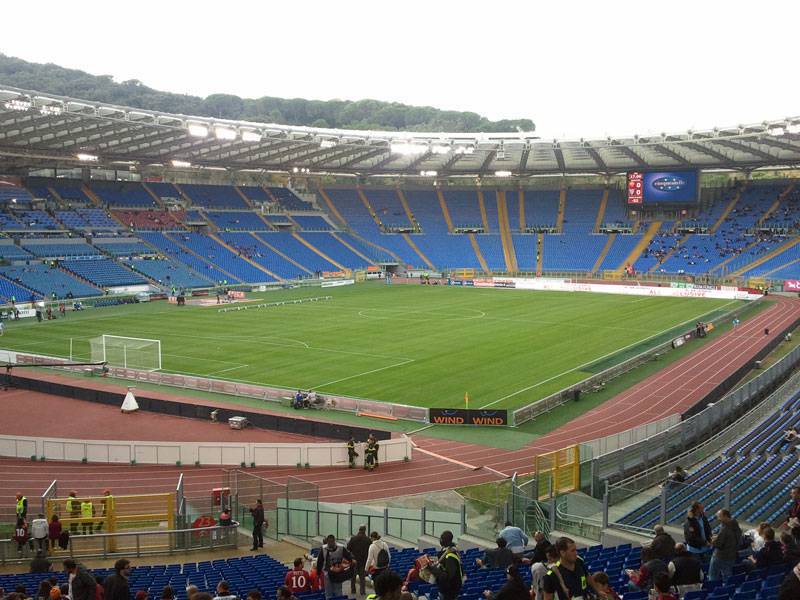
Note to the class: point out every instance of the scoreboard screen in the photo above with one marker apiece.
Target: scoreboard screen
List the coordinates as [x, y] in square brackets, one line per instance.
[662, 187]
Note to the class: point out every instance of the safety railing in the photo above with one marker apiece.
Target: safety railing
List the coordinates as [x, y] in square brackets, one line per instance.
[140, 543]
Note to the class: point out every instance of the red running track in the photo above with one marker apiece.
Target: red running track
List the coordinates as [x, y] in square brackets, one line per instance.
[671, 391]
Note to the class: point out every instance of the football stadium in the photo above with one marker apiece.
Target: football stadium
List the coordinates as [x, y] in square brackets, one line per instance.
[247, 356]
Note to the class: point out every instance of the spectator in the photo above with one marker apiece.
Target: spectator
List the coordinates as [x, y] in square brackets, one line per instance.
[21, 534]
[191, 591]
[115, 586]
[202, 596]
[55, 593]
[791, 550]
[334, 563]
[40, 564]
[259, 520]
[81, 584]
[757, 536]
[141, 595]
[99, 591]
[663, 588]
[224, 591]
[651, 566]
[726, 545]
[602, 588]
[447, 568]
[43, 593]
[64, 591]
[359, 547]
[539, 570]
[497, 558]
[541, 545]
[298, 580]
[388, 586]
[676, 477]
[790, 588]
[513, 588]
[39, 532]
[254, 595]
[54, 532]
[568, 578]
[771, 553]
[515, 538]
[685, 569]
[662, 546]
[167, 593]
[285, 594]
[793, 516]
[697, 530]
[378, 558]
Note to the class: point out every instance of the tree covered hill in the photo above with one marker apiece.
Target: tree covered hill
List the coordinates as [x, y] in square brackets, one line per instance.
[340, 114]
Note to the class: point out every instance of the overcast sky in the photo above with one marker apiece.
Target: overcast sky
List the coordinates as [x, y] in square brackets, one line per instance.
[577, 69]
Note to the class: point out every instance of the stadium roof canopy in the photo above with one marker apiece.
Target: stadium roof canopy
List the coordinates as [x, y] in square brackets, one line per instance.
[39, 129]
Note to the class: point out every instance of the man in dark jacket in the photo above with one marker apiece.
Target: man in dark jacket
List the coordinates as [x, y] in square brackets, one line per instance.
[790, 588]
[497, 558]
[82, 585]
[115, 587]
[696, 529]
[771, 553]
[40, 564]
[791, 550]
[540, 549]
[663, 545]
[726, 546]
[447, 568]
[257, 513]
[686, 571]
[359, 548]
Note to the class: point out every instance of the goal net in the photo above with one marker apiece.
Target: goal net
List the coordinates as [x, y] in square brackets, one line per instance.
[128, 352]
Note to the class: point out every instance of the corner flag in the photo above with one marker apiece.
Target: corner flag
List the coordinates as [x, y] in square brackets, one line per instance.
[466, 399]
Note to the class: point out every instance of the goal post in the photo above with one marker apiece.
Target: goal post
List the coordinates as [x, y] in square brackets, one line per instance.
[127, 352]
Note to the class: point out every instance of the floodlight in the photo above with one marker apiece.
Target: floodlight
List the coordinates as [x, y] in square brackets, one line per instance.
[407, 148]
[502, 173]
[327, 143]
[295, 170]
[776, 131]
[198, 130]
[223, 133]
[465, 150]
[440, 149]
[251, 136]
[428, 173]
[18, 104]
[87, 157]
[795, 128]
[181, 163]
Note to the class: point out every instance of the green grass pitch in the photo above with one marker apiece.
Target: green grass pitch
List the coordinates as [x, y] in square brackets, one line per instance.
[419, 345]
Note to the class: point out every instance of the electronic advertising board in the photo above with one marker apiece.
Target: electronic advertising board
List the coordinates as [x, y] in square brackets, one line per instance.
[664, 187]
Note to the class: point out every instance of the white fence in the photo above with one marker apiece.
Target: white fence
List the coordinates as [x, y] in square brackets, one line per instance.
[326, 454]
[631, 436]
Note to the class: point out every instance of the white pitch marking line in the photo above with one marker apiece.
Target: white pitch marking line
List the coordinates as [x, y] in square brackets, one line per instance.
[228, 369]
[594, 360]
[399, 364]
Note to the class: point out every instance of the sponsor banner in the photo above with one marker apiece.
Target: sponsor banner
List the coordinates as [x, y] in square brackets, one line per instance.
[483, 282]
[791, 285]
[678, 342]
[464, 416]
[338, 282]
[504, 283]
[561, 285]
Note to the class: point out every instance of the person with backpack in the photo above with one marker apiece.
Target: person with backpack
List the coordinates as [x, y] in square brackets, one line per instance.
[334, 561]
[82, 586]
[378, 557]
[359, 547]
[447, 568]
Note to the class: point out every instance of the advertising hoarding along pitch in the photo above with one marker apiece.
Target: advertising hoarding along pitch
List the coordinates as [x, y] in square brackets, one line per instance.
[462, 416]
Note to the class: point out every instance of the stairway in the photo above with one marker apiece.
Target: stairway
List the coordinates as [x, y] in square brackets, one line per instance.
[365, 201]
[156, 198]
[601, 211]
[203, 258]
[332, 207]
[286, 257]
[445, 210]
[224, 244]
[762, 259]
[478, 253]
[245, 198]
[562, 207]
[319, 252]
[728, 210]
[521, 195]
[609, 242]
[669, 254]
[407, 210]
[781, 197]
[643, 243]
[539, 253]
[92, 196]
[482, 207]
[416, 249]
[505, 233]
[719, 268]
[351, 248]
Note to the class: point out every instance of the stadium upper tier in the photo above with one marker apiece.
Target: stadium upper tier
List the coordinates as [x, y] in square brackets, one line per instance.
[52, 127]
[748, 230]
